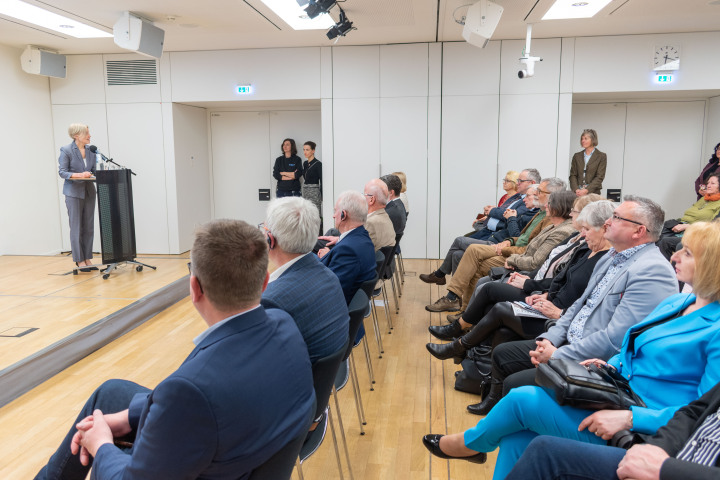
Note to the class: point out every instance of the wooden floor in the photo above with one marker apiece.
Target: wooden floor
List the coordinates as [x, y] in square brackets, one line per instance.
[413, 395]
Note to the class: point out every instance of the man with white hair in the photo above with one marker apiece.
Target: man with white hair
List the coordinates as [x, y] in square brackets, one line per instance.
[300, 284]
[378, 225]
[352, 258]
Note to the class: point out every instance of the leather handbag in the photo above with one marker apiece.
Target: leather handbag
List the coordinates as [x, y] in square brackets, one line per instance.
[589, 387]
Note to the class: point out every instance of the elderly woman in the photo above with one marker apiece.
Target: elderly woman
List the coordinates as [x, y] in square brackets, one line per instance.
[587, 168]
[705, 209]
[77, 166]
[509, 185]
[713, 166]
[670, 358]
[563, 278]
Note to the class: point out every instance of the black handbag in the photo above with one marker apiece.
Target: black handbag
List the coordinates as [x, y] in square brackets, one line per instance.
[476, 373]
[590, 387]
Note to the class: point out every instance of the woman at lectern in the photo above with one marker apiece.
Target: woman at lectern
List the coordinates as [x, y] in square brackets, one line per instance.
[78, 163]
[312, 173]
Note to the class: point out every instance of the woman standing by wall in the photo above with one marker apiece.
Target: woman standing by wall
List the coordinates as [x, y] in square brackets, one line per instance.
[288, 170]
[587, 168]
[312, 173]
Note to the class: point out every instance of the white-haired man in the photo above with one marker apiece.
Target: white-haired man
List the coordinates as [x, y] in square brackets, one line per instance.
[301, 285]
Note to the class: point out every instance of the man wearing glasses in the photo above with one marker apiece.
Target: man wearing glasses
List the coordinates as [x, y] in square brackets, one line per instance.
[626, 285]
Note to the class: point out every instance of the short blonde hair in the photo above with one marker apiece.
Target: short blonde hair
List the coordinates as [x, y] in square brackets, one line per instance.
[512, 175]
[403, 179]
[77, 129]
[582, 202]
[703, 240]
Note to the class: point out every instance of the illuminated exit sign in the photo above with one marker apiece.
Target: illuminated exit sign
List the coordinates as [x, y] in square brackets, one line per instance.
[664, 78]
[243, 89]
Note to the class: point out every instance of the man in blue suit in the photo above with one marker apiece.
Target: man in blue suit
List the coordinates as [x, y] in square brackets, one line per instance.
[301, 285]
[352, 258]
[242, 394]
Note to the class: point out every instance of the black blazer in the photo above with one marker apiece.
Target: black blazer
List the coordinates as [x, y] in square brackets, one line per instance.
[593, 176]
[673, 437]
[396, 211]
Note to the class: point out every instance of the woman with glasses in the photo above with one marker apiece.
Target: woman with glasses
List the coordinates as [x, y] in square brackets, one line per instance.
[509, 184]
[670, 358]
[713, 166]
[587, 168]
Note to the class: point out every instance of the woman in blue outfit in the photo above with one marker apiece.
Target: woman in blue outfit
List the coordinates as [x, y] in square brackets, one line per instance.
[671, 358]
[76, 165]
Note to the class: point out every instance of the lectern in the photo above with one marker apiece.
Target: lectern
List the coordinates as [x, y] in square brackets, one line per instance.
[117, 219]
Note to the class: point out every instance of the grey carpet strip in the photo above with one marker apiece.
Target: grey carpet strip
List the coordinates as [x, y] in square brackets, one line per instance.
[30, 372]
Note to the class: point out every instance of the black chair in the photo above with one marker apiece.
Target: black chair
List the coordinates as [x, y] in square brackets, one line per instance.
[386, 274]
[397, 266]
[280, 465]
[324, 372]
[347, 371]
[369, 288]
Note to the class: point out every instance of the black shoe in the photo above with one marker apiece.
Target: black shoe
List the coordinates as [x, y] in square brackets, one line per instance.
[83, 269]
[432, 278]
[92, 268]
[488, 402]
[454, 350]
[432, 443]
[446, 332]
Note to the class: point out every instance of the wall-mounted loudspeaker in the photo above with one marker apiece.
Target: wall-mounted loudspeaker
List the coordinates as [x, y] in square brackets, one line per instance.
[480, 22]
[41, 62]
[134, 33]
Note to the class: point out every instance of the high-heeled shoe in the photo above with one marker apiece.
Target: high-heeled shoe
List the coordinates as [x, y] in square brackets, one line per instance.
[488, 401]
[83, 269]
[432, 443]
[446, 332]
[443, 351]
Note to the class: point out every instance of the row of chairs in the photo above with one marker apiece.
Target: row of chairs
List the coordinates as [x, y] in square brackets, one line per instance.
[332, 373]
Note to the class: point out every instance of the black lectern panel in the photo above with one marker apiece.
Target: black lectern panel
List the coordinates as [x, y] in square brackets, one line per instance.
[117, 220]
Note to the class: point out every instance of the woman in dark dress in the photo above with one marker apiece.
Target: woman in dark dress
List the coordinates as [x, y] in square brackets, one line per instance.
[713, 166]
[288, 170]
[312, 173]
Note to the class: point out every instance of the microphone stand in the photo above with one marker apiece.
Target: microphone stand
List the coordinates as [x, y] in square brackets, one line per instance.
[110, 160]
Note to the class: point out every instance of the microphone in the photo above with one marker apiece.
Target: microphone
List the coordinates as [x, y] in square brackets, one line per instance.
[94, 149]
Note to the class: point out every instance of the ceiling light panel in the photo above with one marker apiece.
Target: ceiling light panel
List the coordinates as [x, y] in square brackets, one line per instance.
[294, 15]
[52, 21]
[563, 9]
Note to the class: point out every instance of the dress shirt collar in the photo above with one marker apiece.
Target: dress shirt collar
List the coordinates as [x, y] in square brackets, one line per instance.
[282, 268]
[209, 330]
[343, 235]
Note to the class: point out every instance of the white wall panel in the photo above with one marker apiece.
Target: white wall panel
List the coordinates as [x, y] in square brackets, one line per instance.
[326, 72]
[547, 72]
[563, 155]
[84, 83]
[357, 142]
[240, 158]
[658, 160]
[403, 147]
[567, 62]
[93, 116]
[356, 72]
[469, 172]
[130, 93]
[469, 70]
[624, 63]
[213, 75]
[328, 159]
[404, 70]
[140, 146]
[192, 172]
[528, 133]
[608, 120]
[432, 217]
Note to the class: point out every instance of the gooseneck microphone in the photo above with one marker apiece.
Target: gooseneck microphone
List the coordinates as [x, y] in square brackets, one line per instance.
[94, 149]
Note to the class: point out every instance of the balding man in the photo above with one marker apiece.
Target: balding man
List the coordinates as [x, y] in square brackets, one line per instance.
[378, 225]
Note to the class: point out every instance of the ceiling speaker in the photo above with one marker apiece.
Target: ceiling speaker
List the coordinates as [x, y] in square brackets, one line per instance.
[480, 22]
[134, 33]
[41, 62]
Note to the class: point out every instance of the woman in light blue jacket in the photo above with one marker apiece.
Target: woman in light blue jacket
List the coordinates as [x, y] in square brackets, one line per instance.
[671, 358]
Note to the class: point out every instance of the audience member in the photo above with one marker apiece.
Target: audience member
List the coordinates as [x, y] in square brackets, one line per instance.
[669, 359]
[395, 208]
[378, 224]
[502, 222]
[301, 285]
[352, 259]
[713, 166]
[229, 407]
[403, 191]
[627, 284]
[587, 168]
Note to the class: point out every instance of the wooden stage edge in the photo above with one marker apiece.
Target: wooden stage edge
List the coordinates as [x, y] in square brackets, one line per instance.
[30, 372]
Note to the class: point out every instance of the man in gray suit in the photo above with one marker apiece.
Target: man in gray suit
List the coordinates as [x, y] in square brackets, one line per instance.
[626, 285]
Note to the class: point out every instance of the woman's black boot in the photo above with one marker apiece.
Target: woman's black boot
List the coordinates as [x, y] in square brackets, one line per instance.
[443, 351]
[489, 401]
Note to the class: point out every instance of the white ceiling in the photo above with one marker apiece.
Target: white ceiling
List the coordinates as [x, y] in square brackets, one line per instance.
[234, 24]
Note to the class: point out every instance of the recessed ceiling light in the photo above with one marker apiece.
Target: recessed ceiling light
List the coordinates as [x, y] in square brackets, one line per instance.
[294, 15]
[562, 9]
[49, 20]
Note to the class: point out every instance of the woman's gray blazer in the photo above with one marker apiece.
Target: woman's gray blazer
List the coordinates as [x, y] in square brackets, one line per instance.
[71, 161]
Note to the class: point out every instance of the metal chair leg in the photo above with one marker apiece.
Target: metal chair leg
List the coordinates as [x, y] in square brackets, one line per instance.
[342, 433]
[299, 468]
[378, 336]
[387, 307]
[395, 297]
[397, 281]
[358, 396]
[337, 452]
[371, 374]
[402, 267]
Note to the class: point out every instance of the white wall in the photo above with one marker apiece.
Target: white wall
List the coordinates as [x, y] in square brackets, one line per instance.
[30, 213]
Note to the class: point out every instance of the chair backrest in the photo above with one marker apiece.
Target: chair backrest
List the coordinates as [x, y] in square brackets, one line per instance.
[280, 465]
[389, 253]
[379, 261]
[358, 306]
[368, 286]
[324, 371]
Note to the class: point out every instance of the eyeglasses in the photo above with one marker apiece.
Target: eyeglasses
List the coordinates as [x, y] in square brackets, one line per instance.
[508, 180]
[618, 217]
[520, 180]
[540, 190]
[196, 277]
